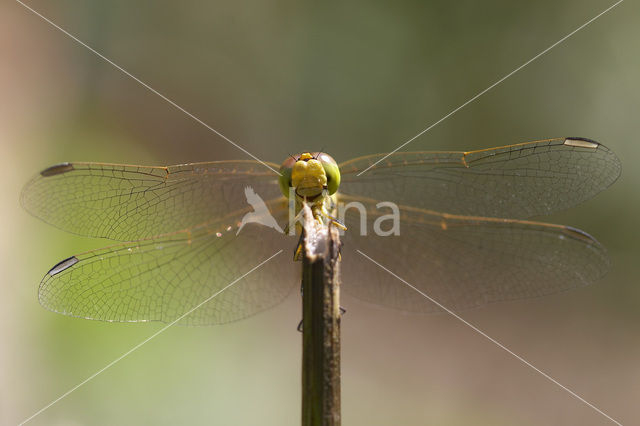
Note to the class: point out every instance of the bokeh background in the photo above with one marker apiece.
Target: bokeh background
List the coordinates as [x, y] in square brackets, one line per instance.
[353, 79]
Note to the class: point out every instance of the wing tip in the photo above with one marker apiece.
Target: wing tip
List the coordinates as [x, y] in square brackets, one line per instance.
[56, 169]
[581, 142]
[63, 265]
[579, 234]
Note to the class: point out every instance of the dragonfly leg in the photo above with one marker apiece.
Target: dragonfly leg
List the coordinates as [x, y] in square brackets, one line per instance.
[300, 324]
[336, 222]
[297, 254]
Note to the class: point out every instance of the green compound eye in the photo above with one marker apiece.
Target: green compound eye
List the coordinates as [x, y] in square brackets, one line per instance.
[331, 170]
[285, 176]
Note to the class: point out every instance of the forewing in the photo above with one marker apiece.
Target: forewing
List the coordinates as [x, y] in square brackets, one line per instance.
[516, 181]
[162, 278]
[125, 203]
[464, 262]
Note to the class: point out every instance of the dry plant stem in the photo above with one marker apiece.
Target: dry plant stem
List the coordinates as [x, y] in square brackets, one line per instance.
[320, 324]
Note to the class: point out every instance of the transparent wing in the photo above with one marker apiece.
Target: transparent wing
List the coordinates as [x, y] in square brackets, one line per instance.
[462, 261]
[161, 278]
[125, 203]
[517, 181]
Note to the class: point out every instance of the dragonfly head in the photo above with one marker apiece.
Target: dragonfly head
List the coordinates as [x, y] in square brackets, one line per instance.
[309, 174]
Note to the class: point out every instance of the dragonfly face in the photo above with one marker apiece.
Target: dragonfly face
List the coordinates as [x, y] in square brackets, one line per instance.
[309, 175]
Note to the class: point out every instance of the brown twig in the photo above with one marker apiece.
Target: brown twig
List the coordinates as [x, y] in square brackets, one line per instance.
[320, 324]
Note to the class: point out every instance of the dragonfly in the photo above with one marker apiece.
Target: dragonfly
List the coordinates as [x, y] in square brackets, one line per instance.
[466, 236]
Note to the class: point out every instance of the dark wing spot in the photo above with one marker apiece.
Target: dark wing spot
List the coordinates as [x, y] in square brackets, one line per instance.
[61, 266]
[57, 169]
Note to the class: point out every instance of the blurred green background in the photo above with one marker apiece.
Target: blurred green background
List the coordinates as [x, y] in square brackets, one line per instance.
[353, 79]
